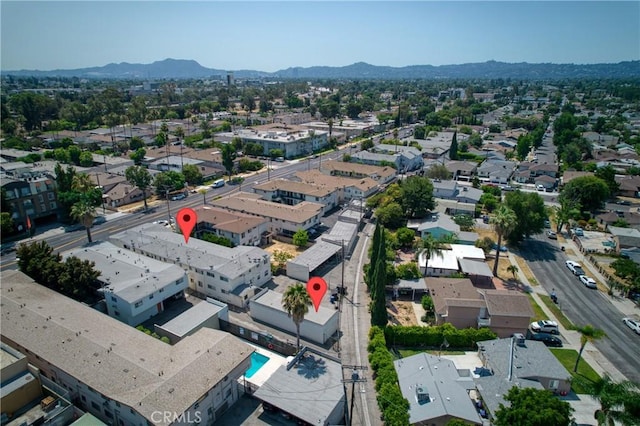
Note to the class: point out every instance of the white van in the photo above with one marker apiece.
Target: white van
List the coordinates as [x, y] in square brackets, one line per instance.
[218, 184]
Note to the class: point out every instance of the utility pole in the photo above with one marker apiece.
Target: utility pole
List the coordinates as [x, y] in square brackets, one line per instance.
[339, 301]
[168, 207]
[355, 378]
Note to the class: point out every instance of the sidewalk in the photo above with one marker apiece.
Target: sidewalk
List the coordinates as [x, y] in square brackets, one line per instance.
[590, 354]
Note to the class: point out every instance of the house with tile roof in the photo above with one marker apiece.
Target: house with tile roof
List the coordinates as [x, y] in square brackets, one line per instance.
[239, 228]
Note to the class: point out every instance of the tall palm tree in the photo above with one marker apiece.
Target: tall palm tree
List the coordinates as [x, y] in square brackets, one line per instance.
[296, 302]
[588, 333]
[82, 183]
[204, 195]
[431, 246]
[619, 402]
[568, 210]
[84, 212]
[513, 269]
[504, 220]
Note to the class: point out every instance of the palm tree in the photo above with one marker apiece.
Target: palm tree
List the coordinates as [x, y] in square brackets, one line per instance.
[84, 212]
[619, 401]
[568, 210]
[204, 195]
[513, 269]
[296, 302]
[588, 334]
[430, 246]
[82, 183]
[504, 220]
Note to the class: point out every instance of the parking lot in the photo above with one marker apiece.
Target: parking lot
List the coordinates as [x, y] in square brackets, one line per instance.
[595, 242]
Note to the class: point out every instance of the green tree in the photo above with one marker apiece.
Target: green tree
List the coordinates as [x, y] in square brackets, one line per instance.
[228, 157]
[281, 258]
[6, 223]
[486, 244]
[406, 237]
[464, 221]
[430, 246]
[301, 238]
[453, 149]
[532, 407]
[567, 211]
[168, 181]
[84, 213]
[439, 171]
[619, 401]
[391, 215]
[138, 155]
[140, 177]
[589, 192]
[86, 159]
[530, 211]
[296, 302]
[192, 174]
[366, 144]
[417, 196]
[513, 269]
[588, 333]
[379, 282]
[608, 174]
[136, 143]
[503, 221]
[78, 279]
[39, 262]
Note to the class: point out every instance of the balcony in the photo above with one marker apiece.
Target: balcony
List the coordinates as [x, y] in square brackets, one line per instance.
[484, 322]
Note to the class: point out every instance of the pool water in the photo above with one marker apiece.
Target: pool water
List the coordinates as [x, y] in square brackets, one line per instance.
[257, 361]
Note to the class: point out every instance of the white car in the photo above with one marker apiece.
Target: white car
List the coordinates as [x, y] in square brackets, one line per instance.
[588, 281]
[574, 267]
[544, 326]
[552, 235]
[632, 324]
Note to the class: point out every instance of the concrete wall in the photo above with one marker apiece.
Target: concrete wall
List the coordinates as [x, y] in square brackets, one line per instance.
[298, 271]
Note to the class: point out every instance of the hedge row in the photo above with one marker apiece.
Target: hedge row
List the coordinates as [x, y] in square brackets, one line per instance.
[394, 407]
[416, 336]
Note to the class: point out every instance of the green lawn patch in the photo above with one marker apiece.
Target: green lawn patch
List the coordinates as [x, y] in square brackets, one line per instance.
[567, 358]
[556, 311]
[404, 353]
[538, 313]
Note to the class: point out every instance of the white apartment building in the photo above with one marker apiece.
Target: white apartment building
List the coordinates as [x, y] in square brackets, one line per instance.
[134, 286]
[291, 193]
[121, 375]
[293, 140]
[230, 275]
[283, 219]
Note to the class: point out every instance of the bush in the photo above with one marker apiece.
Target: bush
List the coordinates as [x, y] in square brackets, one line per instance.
[417, 336]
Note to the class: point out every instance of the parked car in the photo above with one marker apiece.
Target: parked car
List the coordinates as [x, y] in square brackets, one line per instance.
[546, 338]
[574, 267]
[547, 224]
[633, 324]
[99, 219]
[588, 281]
[552, 235]
[578, 232]
[178, 197]
[544, 326]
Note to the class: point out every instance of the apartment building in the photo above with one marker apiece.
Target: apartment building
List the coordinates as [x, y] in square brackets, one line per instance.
[115, 372]
[282, 219]
[239, 228]
[230, 275]
[291, 193]
[347, 188]
[381, 174]
[292, 140]
[30, 199]
[135, 287]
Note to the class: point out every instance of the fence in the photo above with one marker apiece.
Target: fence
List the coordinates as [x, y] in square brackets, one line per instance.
[259, 338]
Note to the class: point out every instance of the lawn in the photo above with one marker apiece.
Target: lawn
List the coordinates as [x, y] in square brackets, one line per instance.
[538, 313]
[409, 352]
[524, 267]
[556, 311]
[567, 358]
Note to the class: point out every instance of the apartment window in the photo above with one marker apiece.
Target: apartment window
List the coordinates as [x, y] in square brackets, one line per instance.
[151, 297]
[266, 273]
[211, 274]
[41, 198]
[138, 304]
[113, 299]
[95, 406]
[108, 414]
[50, 196]
[225, 279]
[161, 290]
[210, 287]
[199, 284]
[117, 404]
[180, 281]
[83, 398]
[117, 313]
[53, 205]
[224, 291]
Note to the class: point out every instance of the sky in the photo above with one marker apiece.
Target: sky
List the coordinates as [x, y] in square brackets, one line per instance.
[271, 36]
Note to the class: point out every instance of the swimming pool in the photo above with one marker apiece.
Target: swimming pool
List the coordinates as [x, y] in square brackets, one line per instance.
[257, 361]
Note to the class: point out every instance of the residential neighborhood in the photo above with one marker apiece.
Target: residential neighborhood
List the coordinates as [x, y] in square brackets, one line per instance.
[444, 224]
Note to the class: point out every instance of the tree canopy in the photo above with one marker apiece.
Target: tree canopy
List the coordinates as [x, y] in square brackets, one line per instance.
[533, 407]
[530, 212]
[417, 196]
[589, 192]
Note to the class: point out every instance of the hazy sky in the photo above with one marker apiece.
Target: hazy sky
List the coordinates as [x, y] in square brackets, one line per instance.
[269, 36]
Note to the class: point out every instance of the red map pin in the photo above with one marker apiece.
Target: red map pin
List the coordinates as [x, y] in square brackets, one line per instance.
[187, 219]
[316, 287]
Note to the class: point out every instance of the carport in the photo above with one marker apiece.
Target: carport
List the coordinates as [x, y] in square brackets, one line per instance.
[479, 272]
[311, 259]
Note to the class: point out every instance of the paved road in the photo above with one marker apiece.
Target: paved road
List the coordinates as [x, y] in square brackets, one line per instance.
[582, 305]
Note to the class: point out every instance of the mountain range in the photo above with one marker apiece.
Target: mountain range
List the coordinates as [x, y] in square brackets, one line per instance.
[183, 69]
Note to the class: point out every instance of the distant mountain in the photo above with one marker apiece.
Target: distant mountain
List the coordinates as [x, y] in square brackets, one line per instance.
[180, 68]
